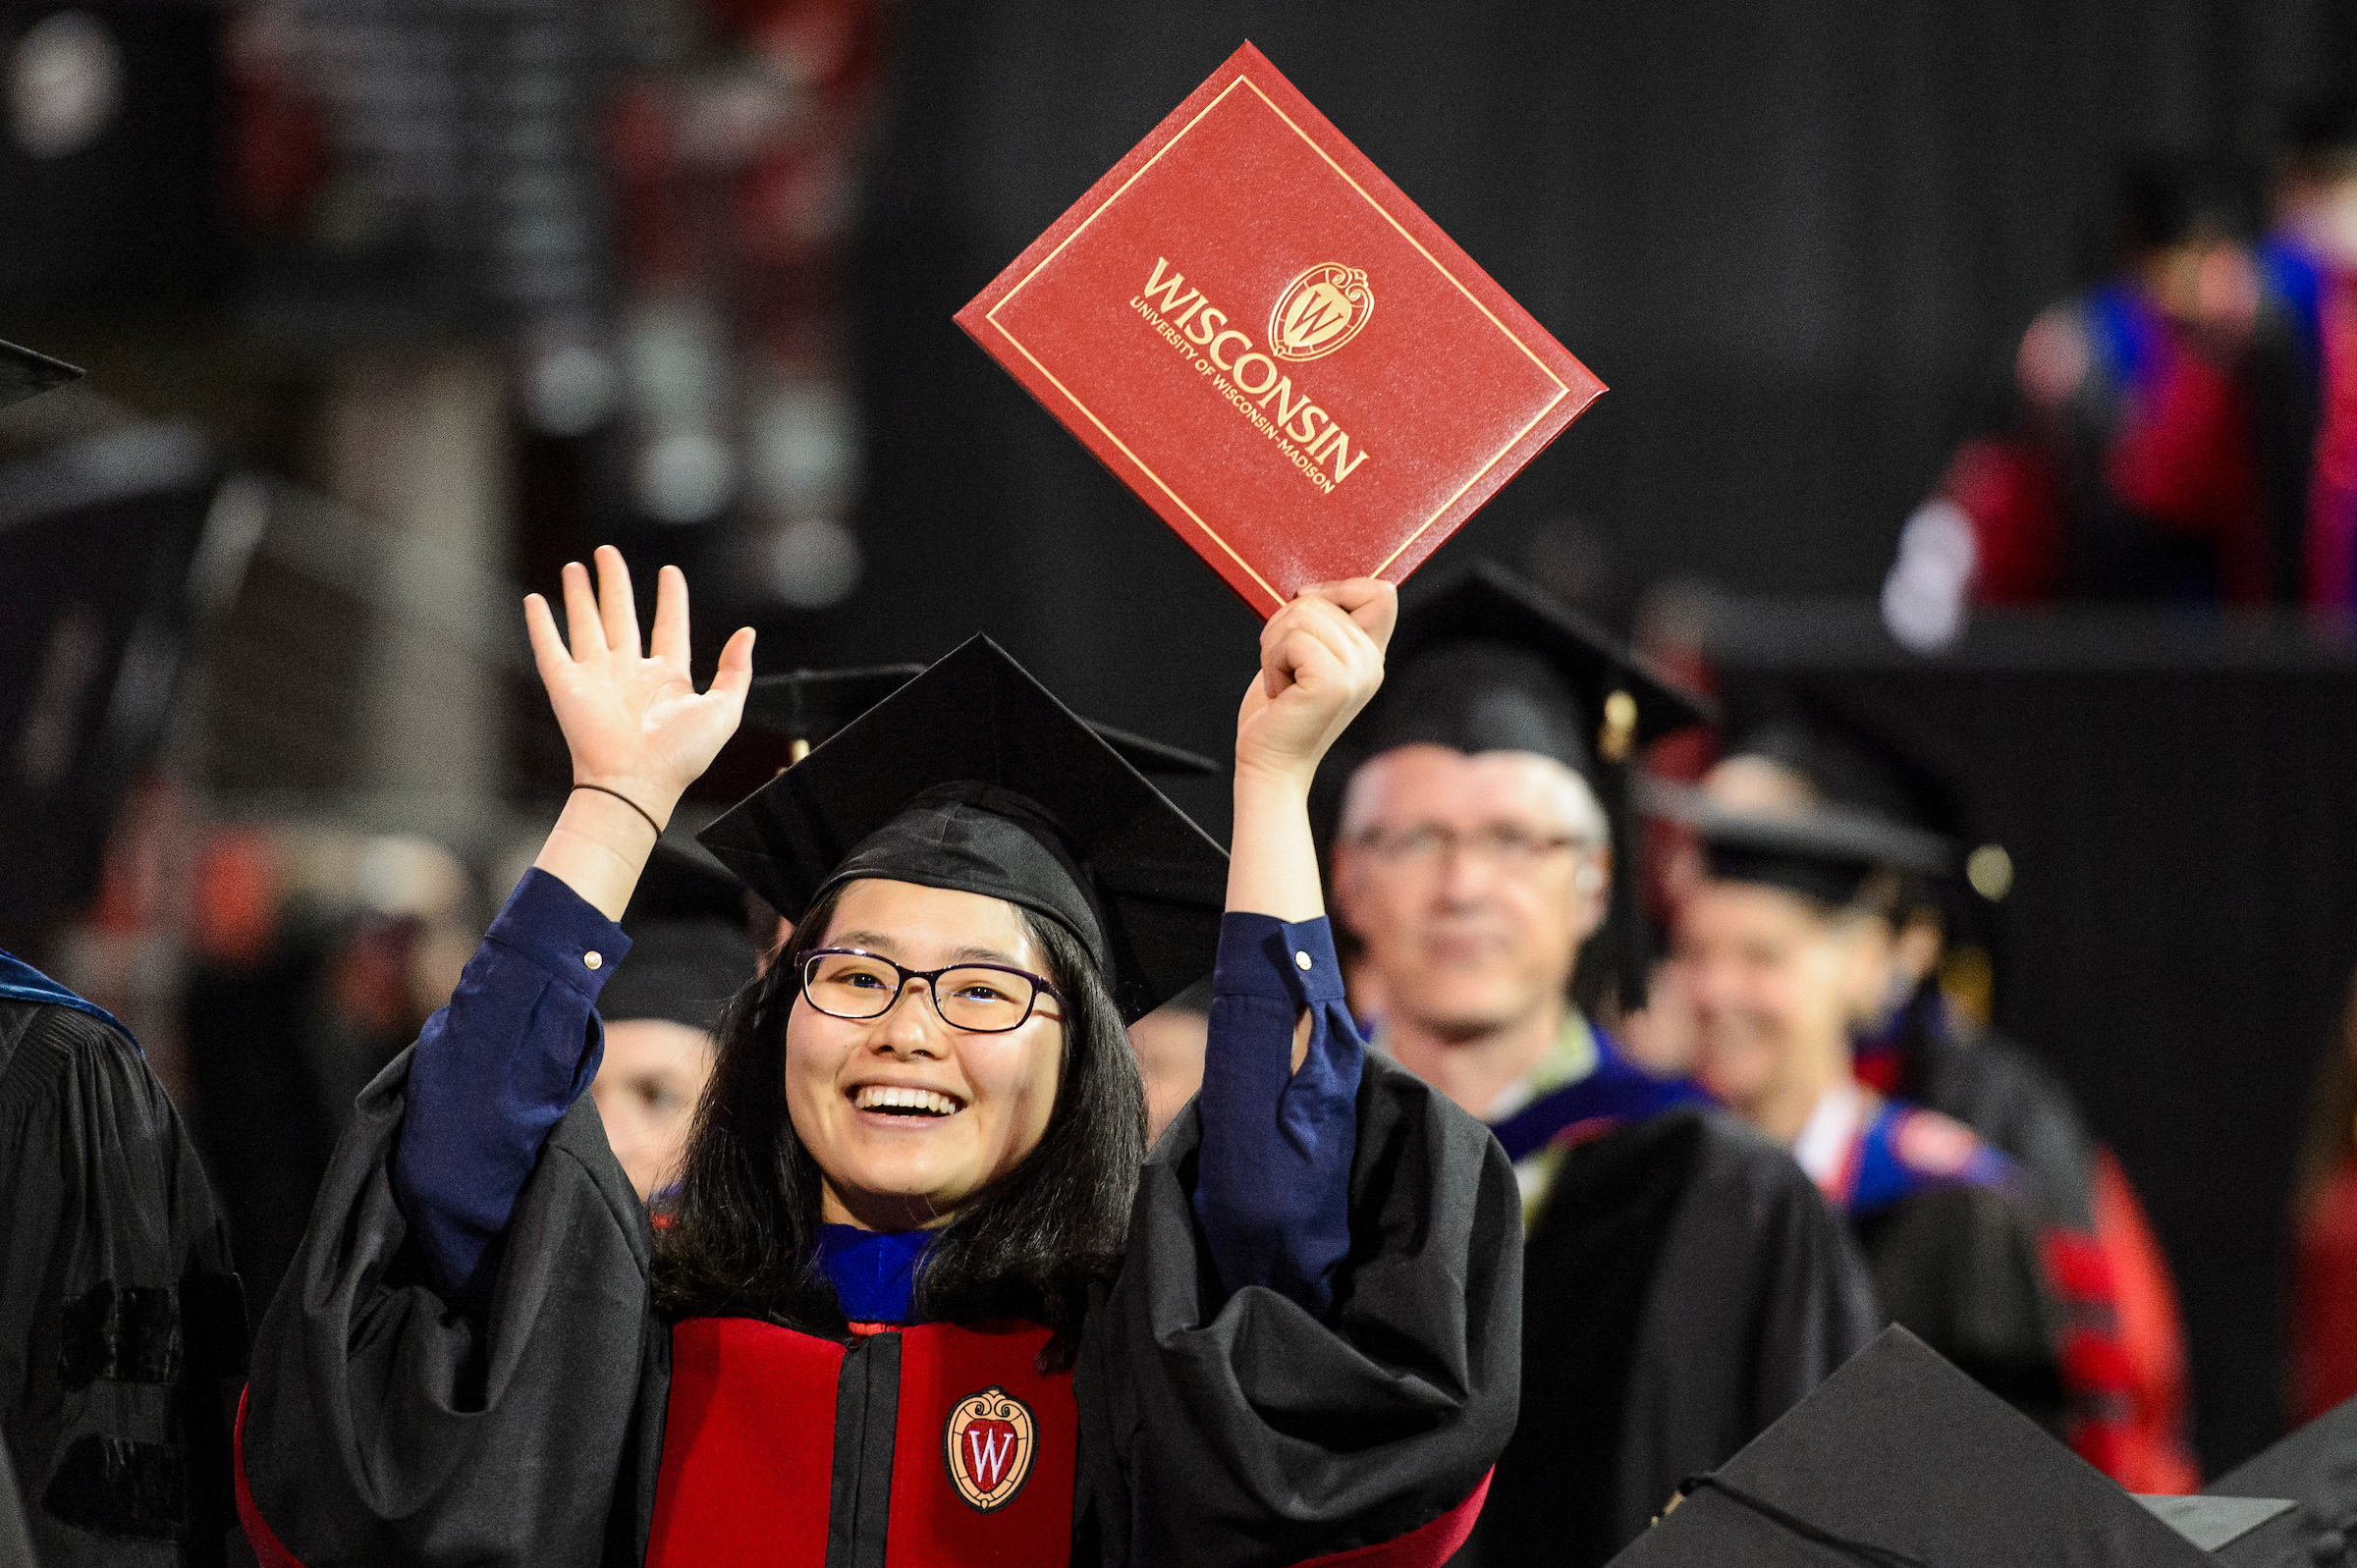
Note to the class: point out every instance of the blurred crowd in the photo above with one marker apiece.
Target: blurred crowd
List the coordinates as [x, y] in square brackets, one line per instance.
[2182, 431]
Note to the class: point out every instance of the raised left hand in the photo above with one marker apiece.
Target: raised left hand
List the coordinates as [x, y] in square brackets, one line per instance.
[1321, 660]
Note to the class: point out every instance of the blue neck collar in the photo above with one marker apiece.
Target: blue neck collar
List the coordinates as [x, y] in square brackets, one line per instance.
[21, 982]
[873, 1272]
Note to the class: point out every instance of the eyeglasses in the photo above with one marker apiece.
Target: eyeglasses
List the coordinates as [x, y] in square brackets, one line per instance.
[983, 998]
[1427, 844]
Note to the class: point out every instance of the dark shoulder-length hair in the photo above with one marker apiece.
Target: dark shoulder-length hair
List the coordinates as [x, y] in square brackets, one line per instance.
[744, 1224]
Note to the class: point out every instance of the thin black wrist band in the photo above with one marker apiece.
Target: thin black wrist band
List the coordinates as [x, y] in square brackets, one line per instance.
[628, 801]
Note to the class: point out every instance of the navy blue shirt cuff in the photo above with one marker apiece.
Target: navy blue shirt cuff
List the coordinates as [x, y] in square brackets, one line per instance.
[560, 931]
[1261, 955]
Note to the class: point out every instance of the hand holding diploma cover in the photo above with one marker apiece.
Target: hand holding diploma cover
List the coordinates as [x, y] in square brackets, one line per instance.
[1276, 348]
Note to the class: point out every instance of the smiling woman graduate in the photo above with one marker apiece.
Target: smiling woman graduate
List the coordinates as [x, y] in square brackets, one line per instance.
[927, 1298]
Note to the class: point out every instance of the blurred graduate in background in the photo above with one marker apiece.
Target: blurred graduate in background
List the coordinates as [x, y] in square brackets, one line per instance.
[1685, 1283]
[122, 1326]
[1798, 749]
[1772, 950]
[2159, 421]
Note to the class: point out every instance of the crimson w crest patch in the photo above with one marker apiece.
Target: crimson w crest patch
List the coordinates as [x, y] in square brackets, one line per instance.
[988, 1445]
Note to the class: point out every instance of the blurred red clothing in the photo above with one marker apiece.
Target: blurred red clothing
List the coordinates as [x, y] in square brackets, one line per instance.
[2151, 1455]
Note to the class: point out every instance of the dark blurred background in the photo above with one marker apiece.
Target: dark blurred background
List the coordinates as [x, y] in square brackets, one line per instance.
[392, 306]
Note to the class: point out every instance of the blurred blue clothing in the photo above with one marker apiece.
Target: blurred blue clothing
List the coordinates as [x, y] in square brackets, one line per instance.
[1613, 1093]
[519, 1041]
[2294, 282]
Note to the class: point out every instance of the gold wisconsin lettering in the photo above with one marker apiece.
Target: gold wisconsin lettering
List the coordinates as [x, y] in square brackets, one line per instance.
[1183, 315]
[1171, 302]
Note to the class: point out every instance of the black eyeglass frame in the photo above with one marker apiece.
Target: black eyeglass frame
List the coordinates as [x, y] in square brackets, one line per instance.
[1040, 987]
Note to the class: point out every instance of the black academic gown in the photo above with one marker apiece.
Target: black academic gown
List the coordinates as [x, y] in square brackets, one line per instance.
[1958, 1267]
[2003, 1091]
[383, 1425]
[120, 1320]
[1685, 1286]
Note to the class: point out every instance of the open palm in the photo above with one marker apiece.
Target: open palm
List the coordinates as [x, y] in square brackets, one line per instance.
[633, 720]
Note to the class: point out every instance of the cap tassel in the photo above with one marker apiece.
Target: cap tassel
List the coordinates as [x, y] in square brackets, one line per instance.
[1625, 914]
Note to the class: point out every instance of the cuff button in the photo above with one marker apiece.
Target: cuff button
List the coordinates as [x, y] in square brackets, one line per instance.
[1302, 960]
[593, 960]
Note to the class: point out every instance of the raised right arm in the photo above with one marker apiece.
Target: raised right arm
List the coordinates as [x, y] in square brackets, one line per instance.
[380, 1425]
[497, 1068]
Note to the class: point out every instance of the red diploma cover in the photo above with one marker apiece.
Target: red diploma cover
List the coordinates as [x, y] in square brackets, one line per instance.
[1263, 338]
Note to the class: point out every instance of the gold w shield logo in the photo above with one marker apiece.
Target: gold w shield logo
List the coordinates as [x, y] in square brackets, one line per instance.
[989, 1443]
[1319, 311]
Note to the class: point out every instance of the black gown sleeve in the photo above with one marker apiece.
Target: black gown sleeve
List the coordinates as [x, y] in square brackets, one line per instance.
[1759, 1295]
[1958, 1267]
[2015, 1102]
[1242, 1430]
[383, 1425]
[122, 1331]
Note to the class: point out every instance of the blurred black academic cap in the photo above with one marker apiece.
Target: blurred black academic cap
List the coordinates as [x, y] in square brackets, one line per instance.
[1152, 884]
[1856, 750]
[1898, 1460]
[2320, 136]
[1484, 661]
[807, 706]
[22, 373]
[2164, 198]
[96, 543]
[1823, 853]
[2316, 1469]
[690, 951]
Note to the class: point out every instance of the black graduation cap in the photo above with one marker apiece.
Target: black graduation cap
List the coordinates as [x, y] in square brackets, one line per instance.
[2315, 1470]
[1857, 751]
[972, 776]
[1482, 660]
[690, 951]
[1898, 1460]
[1825, 853]
[22, 373]
[807, 706]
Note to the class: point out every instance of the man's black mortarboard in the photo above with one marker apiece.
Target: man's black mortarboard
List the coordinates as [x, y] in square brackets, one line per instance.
[1482, 660]
[24, 373]
[95, 551]
[807, 706]
[1825, 854]
[1898, 1460]
[690, 948]
[2316, 1468]
[973, 777]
